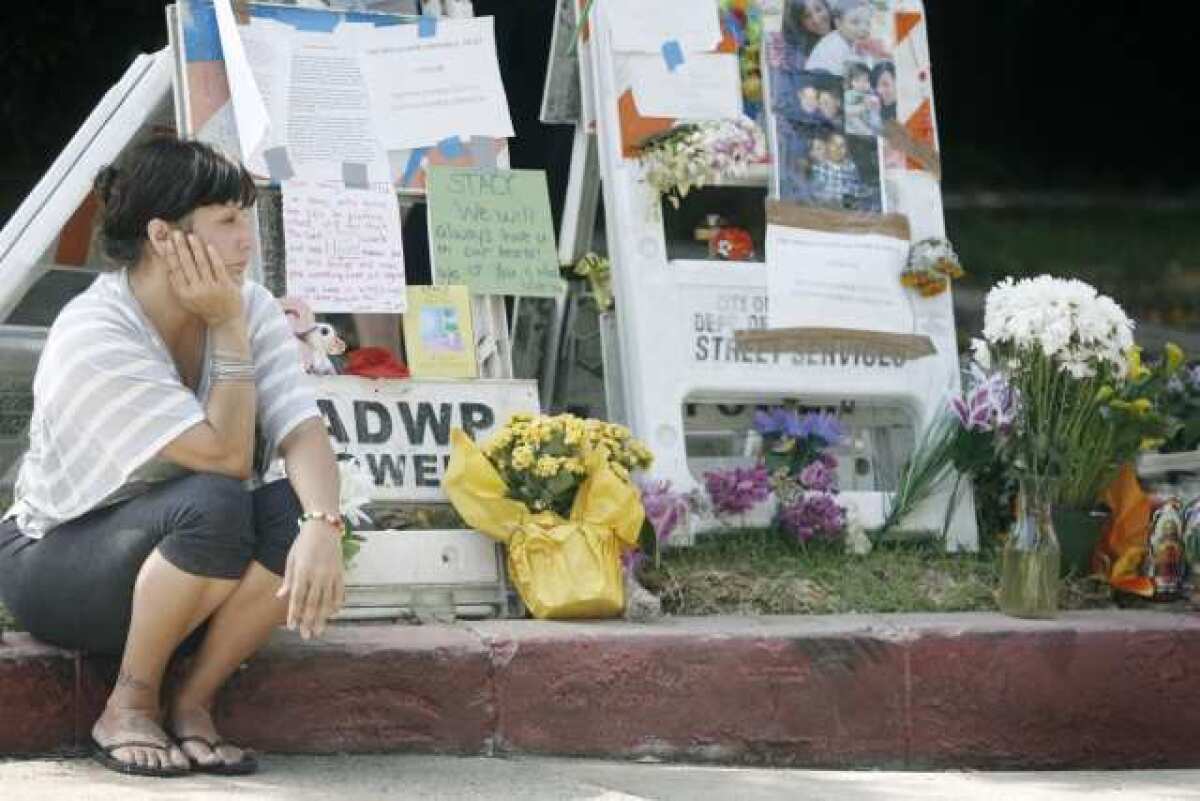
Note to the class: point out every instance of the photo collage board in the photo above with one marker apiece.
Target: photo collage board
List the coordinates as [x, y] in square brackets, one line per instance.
[831, 83]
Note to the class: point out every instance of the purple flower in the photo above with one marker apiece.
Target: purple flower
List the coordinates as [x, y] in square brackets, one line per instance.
[815, 515]
[632, 560]
[989, 406]
[737, 490]
[819, 476]
[778, 421]
[823, 426]
[664, 509]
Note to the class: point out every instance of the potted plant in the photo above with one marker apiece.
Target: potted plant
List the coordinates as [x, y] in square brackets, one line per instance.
[557, 492]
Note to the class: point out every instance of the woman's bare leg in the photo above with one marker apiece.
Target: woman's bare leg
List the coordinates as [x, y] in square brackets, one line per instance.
[238, 629]
[167, 605]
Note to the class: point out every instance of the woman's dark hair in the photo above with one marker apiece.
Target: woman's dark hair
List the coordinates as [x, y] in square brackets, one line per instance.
[879, 69]
[794, 31]
[166, 179]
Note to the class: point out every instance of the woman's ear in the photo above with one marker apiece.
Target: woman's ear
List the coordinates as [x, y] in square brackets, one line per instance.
[158, 232]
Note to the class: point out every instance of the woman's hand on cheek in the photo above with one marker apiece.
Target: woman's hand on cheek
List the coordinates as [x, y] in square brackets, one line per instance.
[198, 276]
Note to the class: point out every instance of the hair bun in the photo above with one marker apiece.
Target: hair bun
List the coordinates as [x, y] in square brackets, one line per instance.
[105, 183]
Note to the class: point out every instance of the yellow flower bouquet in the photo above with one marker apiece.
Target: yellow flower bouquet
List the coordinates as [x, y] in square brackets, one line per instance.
[556, 491]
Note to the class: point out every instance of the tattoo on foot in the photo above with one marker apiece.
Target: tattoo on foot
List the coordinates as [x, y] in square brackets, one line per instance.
[131, 682]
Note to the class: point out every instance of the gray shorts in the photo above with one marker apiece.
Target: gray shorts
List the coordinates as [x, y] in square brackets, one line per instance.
[74, 587]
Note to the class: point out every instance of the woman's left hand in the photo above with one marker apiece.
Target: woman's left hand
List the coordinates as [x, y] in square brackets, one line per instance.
[313, 578]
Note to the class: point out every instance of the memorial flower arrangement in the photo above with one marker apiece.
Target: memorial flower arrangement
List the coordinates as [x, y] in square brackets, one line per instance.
[558, 492]
[1065, 352]
[932, 264]
[963, 437]
[694, 155]
[1063, 349]
[666, 513]
[598, 272]
[797, 467]
[803, 471]
[543, 460]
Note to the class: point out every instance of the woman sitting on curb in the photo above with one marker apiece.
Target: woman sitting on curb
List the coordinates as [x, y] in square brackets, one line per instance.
[132, 530]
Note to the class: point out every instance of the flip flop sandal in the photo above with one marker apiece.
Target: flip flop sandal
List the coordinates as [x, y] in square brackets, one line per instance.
[243, 767]
[104, 755]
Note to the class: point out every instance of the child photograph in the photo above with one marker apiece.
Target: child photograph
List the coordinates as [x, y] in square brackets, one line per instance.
[862, 107]
[829, 169]
[808, 98]
[853, 38]
[440, 331]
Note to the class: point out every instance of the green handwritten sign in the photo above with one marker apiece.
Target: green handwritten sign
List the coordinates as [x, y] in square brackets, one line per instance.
[491, 230]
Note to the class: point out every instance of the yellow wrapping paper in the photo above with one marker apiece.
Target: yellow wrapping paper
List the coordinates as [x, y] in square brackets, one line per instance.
[562, 568]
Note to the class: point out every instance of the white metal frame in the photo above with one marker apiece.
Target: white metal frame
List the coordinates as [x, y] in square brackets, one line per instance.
[653, 378]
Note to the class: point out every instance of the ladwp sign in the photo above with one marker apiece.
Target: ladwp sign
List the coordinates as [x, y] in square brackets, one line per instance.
[399, 430]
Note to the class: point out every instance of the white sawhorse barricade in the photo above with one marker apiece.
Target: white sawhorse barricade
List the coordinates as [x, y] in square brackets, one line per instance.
[676, 319]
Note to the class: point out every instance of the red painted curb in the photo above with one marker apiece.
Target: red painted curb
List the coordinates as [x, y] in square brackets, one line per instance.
[37, 697]
[1094, 690]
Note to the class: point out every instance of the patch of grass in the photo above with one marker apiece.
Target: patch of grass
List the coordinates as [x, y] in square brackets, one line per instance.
[7, 623]
[756, 572]
[1113, 248]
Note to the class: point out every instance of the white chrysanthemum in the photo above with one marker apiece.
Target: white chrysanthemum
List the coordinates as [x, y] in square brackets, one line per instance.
[356, 488]
[1066, 319]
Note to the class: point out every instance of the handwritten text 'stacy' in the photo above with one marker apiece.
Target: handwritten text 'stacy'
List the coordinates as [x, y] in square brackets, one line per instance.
[343, 247]
[491, 231]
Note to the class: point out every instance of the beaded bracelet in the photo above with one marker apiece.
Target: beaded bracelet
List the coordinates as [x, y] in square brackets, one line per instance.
[329, 517]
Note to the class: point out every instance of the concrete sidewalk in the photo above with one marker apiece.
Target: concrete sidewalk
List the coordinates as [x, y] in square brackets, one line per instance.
[375, 778]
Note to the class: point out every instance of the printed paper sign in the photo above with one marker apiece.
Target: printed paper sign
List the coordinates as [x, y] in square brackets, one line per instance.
[425, 89]
[491, 231]
[837, 280]
[399, 431]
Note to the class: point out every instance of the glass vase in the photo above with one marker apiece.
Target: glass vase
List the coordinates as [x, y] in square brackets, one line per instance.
[1029, 577]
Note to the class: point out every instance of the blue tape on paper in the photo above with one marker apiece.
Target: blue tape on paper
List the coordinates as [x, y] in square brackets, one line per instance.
[311, 20]
[414, 164]
[451, 147]
[279, 166]
[201, 38]
[482, 152]
[672, 53]
[354, 175]
[427, 26]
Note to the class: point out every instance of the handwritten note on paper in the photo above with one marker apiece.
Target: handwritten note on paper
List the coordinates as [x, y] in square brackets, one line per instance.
[837, 280]
[343, 247]
[491, 230]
